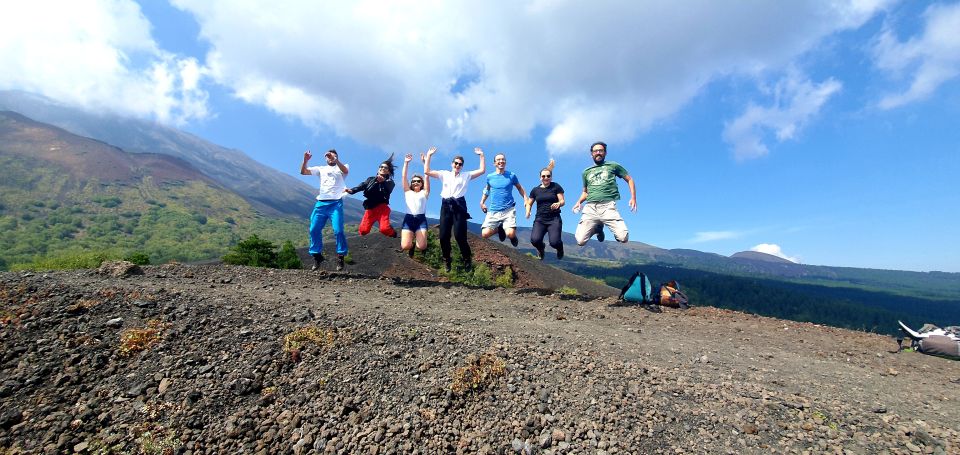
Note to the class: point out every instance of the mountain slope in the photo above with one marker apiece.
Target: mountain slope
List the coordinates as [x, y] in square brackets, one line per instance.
[270, 191]
[61, 193]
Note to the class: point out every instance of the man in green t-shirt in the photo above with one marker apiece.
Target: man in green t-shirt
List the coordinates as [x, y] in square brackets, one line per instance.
[599, 198]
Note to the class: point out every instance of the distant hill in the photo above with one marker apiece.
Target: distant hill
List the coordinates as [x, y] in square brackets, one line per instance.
[269, 190]
[758, 256]
[61, 193]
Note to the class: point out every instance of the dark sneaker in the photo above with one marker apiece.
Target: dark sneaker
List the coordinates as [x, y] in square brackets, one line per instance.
[467, 266]
[410, 253]
[339, 263]
[560, 251]
[446, 265]
[514, 241]
[601, 235]
[540, 254]
[501, 234]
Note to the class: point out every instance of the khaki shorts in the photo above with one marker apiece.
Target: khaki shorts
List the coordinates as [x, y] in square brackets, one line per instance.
[595, 216]
[508, 218]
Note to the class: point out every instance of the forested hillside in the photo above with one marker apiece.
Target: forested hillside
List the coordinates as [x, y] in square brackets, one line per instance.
[63, 195]
[846, 307]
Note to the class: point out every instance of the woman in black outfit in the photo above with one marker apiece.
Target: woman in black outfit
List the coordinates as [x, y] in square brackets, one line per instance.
[549, 198]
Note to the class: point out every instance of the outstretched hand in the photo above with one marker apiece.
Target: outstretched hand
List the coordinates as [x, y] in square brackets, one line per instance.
[478, 150]
[423, 158]
[431, 151]
[408, 158]
[307, 155]
[633, 205]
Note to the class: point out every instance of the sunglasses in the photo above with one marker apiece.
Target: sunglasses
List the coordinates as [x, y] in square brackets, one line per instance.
[458, 163]
[545, 176]
[384, 167]
[416, 181]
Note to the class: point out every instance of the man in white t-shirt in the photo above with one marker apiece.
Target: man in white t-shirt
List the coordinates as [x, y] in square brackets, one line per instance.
[329, 205]
[453, 208]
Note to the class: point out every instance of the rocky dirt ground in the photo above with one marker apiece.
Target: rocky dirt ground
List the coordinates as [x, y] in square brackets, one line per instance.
[375, 368]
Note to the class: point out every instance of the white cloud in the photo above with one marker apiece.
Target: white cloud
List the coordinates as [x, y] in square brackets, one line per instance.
[98, 54]
[710, 236]
[795, 101]
[774, 249]
[408, 73]
[931, 59]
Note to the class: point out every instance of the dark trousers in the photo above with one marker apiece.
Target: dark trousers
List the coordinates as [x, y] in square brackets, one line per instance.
[454, 217]
[554, 227]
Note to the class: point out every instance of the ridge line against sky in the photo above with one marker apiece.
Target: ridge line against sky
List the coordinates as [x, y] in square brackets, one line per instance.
[815, 131]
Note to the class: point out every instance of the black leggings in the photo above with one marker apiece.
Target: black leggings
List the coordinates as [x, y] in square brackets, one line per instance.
[554, 227]
[453, 218]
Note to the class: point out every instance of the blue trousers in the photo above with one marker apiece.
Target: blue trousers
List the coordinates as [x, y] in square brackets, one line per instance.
[323, 211]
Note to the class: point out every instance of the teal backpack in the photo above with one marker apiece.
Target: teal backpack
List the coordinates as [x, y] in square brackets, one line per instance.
[639, 290]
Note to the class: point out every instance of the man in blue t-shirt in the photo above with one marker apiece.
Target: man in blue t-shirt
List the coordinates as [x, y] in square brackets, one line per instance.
[502, 213]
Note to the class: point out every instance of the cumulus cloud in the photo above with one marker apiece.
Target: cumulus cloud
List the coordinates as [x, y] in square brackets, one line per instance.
[405, 73]
[928, 60]
[795, 101]
[774, 249]
[710, 236]
[98, 54]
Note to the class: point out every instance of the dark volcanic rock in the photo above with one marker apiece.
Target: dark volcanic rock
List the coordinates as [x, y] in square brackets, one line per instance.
[379, 362]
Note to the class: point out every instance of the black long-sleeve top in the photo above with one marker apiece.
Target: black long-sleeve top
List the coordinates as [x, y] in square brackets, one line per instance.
[374, 192]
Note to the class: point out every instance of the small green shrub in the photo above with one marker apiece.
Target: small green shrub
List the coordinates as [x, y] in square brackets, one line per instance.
[253, 251]
[288, 258]
[138, 257]
[567, 290]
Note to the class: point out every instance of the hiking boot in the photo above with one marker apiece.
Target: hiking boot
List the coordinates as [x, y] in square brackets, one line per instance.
[540, 253]
[600, 235]
[560, 251]
[467, 265]
[339, 262]
[501, 234]
[514, 241]
[317, 259]
[446, 265]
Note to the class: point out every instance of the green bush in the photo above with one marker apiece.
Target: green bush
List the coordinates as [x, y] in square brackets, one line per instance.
[253, 251]
[138, 257]
[288, 258]
[67, 261]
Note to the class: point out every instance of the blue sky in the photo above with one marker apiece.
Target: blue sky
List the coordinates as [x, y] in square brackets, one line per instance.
[821, 132]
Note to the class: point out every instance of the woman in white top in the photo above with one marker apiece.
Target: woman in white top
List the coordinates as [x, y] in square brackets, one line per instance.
[415, 192]
[453, 209]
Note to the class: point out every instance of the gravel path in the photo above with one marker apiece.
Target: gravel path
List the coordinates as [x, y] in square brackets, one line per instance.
[577, 376]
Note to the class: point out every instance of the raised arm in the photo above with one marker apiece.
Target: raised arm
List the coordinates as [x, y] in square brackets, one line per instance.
[426, 178]
[406, 164]
[303, 167]
[551, 164]
[426, 164]
[483, 164]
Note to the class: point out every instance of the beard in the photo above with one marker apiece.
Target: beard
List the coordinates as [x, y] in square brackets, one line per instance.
[599, 159]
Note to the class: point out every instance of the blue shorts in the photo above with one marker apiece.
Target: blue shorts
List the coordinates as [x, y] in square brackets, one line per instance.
[415, 222]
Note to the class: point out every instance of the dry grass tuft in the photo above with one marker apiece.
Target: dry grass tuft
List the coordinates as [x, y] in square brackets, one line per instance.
[479, 372]
[296, 340]
[136, 340]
